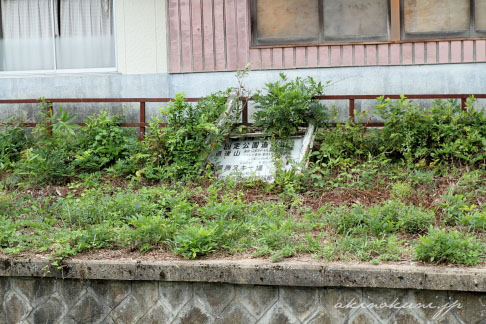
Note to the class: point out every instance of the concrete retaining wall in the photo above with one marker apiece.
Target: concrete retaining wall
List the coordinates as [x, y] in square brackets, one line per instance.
[238, 292]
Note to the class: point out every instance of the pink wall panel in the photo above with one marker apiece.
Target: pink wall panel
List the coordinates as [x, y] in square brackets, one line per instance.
[174, 36]
[468, 51]
[312, 56]
[347, 55]
[208, 30]
[371, 55]
[431, 52]
[288, 57]
[481, 51]
[383, 54]
[266, 58]
[255, 60]
[443, 52]
[359, 55]
[231, 35]
[407, 54]
[456, 51]
[243, 33]
[300, 61]
[197, 42]
[419, 53]
[395, 58]
[335, 55]
[323, 56]
[219, 39]
[185, 12]
[277, 56]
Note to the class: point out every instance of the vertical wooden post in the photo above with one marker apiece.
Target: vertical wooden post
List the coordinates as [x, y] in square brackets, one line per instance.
[244, 111]
[50, 113]
[142, 120]
[395, 31]
[463, 103]
[351, 110]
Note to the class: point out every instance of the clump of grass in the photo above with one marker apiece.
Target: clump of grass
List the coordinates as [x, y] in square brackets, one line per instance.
[440, 246]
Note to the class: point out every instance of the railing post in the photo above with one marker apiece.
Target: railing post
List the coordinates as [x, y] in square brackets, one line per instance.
[244, 111]
[142, 120]
[351, 110]
[463, 103]
[50, 113]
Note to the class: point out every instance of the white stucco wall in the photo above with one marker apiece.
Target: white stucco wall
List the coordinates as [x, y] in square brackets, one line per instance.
[141, 36]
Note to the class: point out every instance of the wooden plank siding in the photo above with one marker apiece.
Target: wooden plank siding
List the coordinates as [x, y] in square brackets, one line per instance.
[214, 35]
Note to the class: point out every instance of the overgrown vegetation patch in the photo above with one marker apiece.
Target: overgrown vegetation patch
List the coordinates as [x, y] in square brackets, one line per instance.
[414, 190]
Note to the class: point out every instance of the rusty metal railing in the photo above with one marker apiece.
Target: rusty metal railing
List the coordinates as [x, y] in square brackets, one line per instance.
[142, 124]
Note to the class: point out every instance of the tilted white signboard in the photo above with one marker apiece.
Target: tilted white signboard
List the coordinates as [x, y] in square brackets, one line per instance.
[251, 156]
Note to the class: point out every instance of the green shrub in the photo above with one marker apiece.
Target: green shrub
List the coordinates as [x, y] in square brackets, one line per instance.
[195, 240]
[380, 219]
[49, 159]
[48, 162]
[454, 207]
[401, 190]
[8, 229]
[147, 231]
[442, 132]
[180, 150]
[345, 221]
[414, 220]
[440, 246]
[346, 141]
[283, 106]
[102, 141]
[476, 219]
[13, 140]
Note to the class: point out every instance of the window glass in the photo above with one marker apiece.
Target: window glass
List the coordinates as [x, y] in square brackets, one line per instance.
[56, 34]
[288, 18]
[26, 35]
[84, 34]
[345, 18]
[480, 12]
[422, 16]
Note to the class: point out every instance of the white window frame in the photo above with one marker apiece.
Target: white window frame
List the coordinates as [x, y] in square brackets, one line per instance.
[70, 71]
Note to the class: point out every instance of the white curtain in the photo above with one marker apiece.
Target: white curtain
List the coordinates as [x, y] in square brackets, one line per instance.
[81, 33]
[84, 34]
[26, 35]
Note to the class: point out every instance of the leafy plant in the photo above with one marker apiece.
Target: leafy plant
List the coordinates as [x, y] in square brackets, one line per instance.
[13, 140]
[440, 246]
[476, 219]
[8, 229]
[345, 142]
[49, 159]
[284, 106]
[443, 132]
[53, 121]
[195, 240]
[453, 207]
[102, 142]
[401, 190]
[193, 131]
[47, 163]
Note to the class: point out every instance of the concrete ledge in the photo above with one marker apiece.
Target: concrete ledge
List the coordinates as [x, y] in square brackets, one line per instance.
[257, 272]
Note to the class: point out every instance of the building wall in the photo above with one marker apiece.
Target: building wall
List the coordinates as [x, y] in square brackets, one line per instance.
[141, 36]
[214, 35]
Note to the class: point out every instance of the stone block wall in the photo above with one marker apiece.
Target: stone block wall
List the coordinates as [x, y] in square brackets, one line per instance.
[54, 300]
